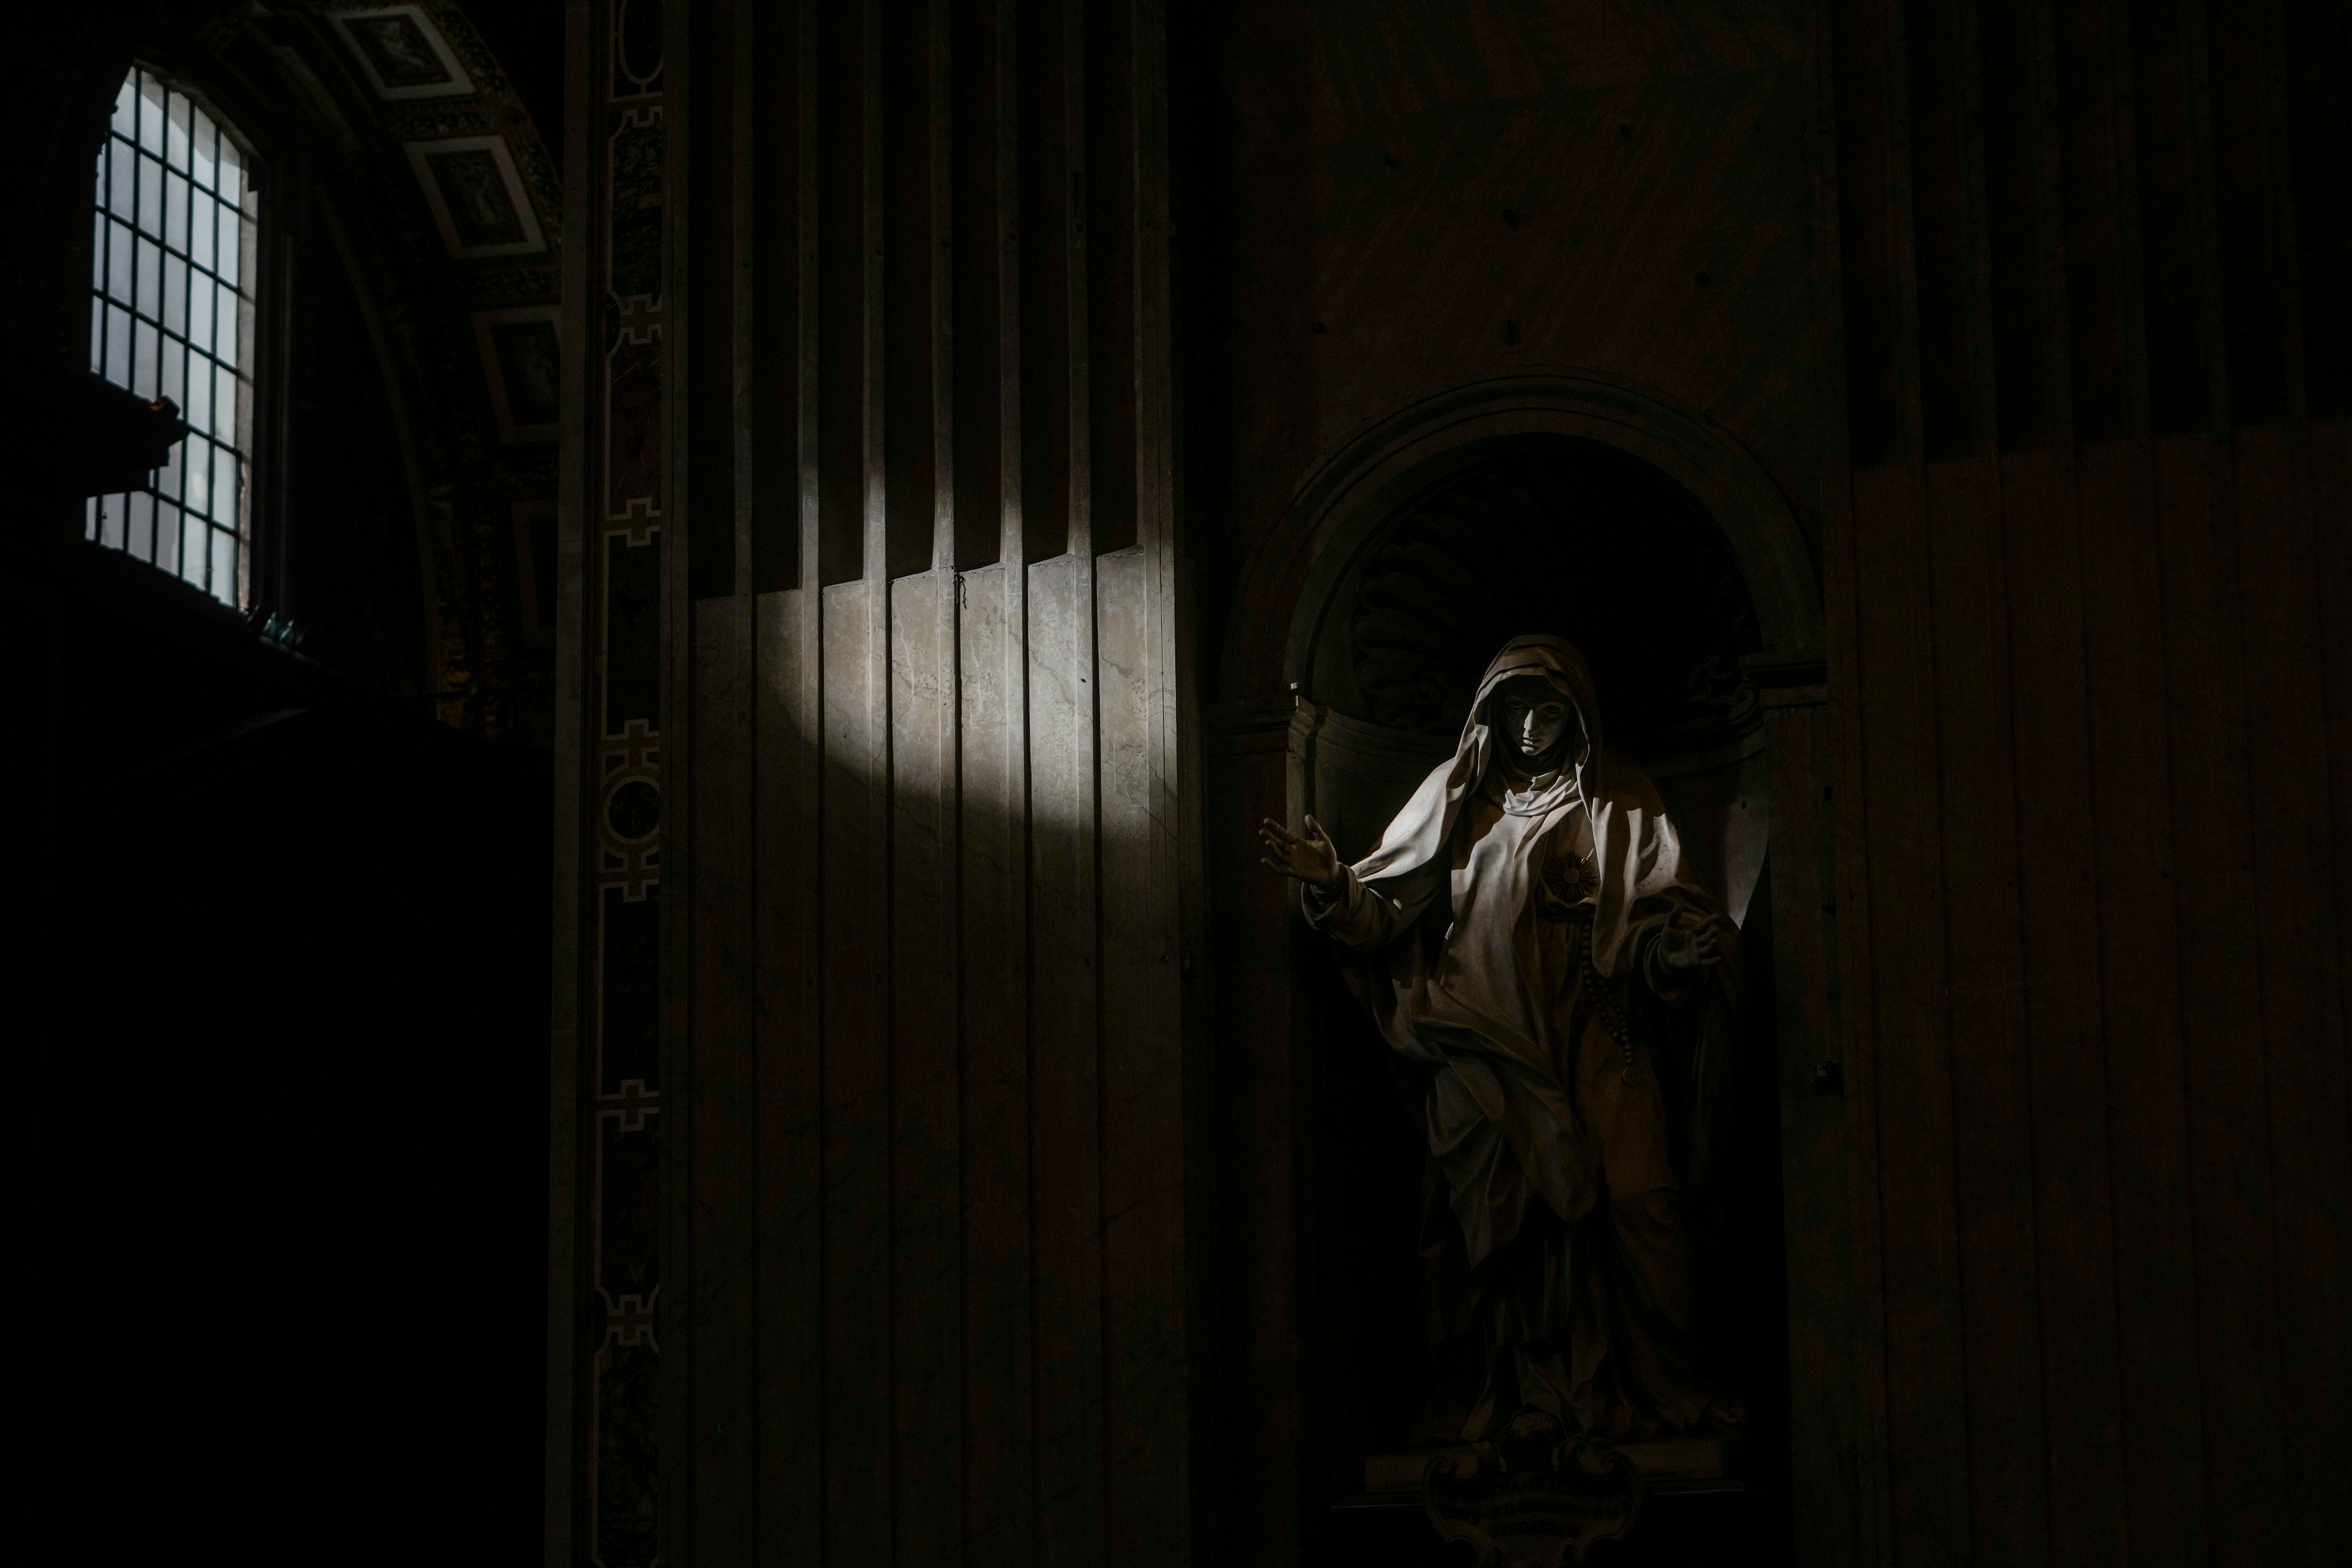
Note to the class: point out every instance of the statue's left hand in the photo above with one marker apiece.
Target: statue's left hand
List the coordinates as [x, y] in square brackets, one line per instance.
[1681, 950]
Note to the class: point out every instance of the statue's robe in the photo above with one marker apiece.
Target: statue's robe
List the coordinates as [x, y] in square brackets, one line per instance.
[1505, 936]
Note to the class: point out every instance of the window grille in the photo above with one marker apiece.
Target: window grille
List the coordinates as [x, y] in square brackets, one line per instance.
[170, 315]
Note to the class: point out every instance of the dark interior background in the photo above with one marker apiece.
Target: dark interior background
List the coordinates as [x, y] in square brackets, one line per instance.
[1561, 536]
[278, 1177]
[297, 1157]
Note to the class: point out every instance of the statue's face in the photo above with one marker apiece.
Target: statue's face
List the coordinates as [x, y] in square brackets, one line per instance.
[1533, 714]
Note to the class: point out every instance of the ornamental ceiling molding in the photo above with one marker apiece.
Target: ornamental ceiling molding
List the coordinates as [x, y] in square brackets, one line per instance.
[476, 197]
[402, 54]
[1346, 500]
[438, 197]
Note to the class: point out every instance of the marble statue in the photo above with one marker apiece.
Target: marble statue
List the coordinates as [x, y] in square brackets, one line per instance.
[1529, 941]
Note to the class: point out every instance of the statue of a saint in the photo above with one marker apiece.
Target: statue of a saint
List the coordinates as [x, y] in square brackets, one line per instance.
[1529, 941]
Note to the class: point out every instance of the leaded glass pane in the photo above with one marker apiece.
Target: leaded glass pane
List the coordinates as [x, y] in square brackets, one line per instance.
[118, 345]
[166, 534]
[172, 378]
[122, 255]
[200, 315]
[224, 566]
[175, 140]
[119, 177]
[150, 111]
[144, 342]
[150, 279]
[175, 211]
[225, 476]
[151, 197]
[199, 455]
[198, 409]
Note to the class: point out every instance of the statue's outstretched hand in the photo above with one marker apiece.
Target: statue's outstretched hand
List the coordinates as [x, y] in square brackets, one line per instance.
[1314, 860]
[1679, 950]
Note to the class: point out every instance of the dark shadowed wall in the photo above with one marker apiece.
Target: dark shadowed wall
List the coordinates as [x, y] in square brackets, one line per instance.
[2092, 772]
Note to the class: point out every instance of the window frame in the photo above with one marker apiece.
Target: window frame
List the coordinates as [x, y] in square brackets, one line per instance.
[263, 284]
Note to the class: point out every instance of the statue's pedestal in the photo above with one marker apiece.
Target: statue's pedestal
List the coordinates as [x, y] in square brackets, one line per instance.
[1658, 1502]
[1661, 1459]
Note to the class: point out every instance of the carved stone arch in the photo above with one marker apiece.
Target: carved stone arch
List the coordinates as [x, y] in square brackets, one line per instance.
[1358, 486]
[1577, 504]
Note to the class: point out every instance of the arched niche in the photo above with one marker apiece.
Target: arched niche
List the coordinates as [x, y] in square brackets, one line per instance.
[1344, 501]
[1583, 506]
[1591, 508]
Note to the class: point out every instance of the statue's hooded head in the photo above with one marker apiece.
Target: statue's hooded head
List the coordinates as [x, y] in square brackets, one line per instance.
[1535, 713]
[1634, 844]
[1549, 665]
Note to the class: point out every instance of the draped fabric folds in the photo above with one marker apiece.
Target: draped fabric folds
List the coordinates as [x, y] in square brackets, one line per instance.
[1507, 935]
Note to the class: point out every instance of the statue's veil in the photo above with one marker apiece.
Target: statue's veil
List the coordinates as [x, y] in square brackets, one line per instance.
[1421, 831]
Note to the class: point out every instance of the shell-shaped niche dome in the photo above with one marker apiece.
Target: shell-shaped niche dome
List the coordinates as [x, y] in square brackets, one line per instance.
[1578, 540]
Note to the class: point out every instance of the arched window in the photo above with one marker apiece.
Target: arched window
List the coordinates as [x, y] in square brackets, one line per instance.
[170, 315]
